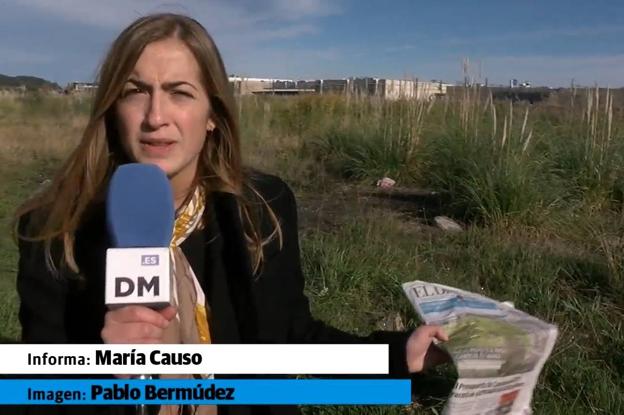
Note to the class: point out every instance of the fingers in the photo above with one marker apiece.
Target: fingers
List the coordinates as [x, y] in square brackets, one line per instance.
[136, 324]
[431, 332]
[440, 334]
[136, 313]
[168, 313]
[419, 347]
[131, 333]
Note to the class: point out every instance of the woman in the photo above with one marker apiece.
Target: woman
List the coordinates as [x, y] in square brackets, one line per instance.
[164, 99]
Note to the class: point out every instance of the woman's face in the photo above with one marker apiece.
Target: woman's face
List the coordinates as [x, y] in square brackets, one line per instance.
[163, 114]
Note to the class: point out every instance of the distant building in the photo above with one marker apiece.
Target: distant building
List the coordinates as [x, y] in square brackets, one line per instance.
[411, 89]
[515, 84]
[80, 87]
[386, 88]
[391, 89]
[266, 86]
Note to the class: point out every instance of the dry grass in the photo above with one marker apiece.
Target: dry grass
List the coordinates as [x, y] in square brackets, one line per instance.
[24, 142]
[36, 127]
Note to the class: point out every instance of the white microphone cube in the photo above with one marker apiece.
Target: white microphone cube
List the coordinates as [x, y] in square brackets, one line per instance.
[138, 276]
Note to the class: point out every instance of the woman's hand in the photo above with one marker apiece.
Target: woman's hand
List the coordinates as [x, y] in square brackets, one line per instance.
[136, 324]
[421, 352]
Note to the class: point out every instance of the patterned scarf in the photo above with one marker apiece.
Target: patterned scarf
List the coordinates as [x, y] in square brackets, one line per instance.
[190, 326]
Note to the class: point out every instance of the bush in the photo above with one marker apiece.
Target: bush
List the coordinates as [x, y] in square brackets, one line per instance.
[485, 183]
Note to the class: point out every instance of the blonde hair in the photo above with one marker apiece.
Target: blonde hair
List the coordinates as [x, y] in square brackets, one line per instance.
[83, 177]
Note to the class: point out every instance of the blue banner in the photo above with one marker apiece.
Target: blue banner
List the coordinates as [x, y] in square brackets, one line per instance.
[213, 392]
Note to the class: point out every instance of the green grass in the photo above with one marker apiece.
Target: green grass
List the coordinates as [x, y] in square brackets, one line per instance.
[544, 218]
[354, 276]
[18, 181]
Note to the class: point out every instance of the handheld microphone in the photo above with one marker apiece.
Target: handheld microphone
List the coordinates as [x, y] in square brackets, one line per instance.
[140, 217]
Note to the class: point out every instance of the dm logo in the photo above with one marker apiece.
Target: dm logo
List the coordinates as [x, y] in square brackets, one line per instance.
[125, 286]
[150, 260]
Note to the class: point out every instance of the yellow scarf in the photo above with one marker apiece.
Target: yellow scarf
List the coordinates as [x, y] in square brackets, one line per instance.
[186, 285]
[191, 324]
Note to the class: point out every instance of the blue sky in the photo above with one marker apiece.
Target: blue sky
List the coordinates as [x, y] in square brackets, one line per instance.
[547, 42]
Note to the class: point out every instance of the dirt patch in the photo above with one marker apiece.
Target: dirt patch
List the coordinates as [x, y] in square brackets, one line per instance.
[329, 209]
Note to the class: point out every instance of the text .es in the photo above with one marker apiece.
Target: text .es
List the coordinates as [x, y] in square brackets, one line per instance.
[150, 260]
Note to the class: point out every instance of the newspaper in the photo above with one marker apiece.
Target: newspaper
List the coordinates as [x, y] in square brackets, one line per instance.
[498, 351]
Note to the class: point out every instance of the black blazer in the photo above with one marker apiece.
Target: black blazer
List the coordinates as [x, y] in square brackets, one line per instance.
[266, 308]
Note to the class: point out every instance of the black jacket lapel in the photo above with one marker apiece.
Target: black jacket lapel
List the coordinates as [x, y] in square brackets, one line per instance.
[231, 274]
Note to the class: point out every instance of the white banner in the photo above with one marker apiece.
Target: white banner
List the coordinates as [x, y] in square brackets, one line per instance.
[194, 359]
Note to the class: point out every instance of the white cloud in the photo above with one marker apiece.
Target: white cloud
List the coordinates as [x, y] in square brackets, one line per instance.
[238, 24]
[297, 9]
[252, 36]
[220, 13]
[240, 27]
[288, 32]
[109, 14]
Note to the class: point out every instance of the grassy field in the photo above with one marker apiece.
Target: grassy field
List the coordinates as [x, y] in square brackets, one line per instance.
[539, 190]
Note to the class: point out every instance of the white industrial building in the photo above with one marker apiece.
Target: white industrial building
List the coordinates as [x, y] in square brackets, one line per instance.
[392, 89]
